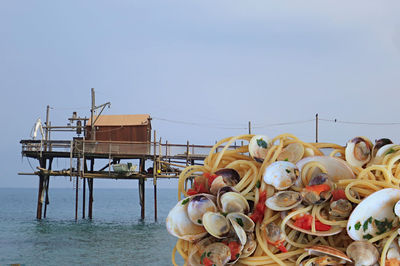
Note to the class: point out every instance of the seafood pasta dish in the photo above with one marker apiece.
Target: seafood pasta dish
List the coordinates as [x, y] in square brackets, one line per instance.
[282, 201]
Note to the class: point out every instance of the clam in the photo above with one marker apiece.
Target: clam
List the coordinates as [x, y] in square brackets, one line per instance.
[179, 224]
[340, 208]
[218, 253]
[258, 147]
[397, 208]
[233, 202]
[387, 149]
[273, 234]
[321, 250]
[280, 174]
[249, 247]
[200, 204]
[239, 231]
[243, 220]
[216, 224]
[292, 153]
[317, 196]
[363, 253]
[284, 200]
[379, 144]
[374, 215]
[336, 168]
[225, 177]
[393, 252]
[358, 151]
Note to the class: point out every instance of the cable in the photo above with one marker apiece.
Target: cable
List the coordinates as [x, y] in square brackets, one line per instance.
[360, 123]
[30, 164]
[285, 123]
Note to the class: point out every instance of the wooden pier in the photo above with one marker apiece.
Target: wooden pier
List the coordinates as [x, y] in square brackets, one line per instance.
[167, 161]
[111, 138]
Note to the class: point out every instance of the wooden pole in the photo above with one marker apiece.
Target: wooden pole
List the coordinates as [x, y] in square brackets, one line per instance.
[42, 163]
[47, 181]
[92, 110]
[90, 185]
[83, 198]
[249, 127]
[78, 165]
[141, 189]
[316, 127]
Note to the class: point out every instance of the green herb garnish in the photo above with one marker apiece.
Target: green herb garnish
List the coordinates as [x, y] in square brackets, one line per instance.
[258, 184]
[199, 221]
[262, 143]
[202, 257]
[208, 254]
[357, 226]
[185, 201]
[391, 150]
[287, 171]
[224, 213]
[286, 159]
[365, 225]
[383, 226]
[239, 221]
[349, 227]
[367, 236]
[237, 255]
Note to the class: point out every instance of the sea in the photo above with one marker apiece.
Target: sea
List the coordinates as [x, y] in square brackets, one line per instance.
[115, 236]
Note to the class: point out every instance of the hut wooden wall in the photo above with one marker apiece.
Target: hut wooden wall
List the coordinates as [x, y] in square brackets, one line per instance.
[121, 133]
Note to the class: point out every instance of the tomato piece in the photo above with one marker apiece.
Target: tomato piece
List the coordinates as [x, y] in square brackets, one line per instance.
[191, 192]
[235, 249]
[207, 262]
[306, 221]
[210, 178]
[321, 227]
[282, 248]
[318, 188]
[338, 194]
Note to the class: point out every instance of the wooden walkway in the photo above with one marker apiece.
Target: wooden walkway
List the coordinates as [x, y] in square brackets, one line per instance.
[167, 161]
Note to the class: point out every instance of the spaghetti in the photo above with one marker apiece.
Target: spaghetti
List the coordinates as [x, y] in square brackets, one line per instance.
[300, 227]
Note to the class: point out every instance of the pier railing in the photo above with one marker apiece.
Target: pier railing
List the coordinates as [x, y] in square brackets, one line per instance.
[117, 148]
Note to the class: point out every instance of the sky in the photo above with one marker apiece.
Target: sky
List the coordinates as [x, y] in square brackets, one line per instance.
[201, 69]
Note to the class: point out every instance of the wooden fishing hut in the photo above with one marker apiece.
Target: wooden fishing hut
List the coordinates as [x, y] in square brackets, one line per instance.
[110, 138]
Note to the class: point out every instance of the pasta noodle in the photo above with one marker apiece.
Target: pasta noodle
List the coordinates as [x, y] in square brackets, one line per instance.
[380, 173]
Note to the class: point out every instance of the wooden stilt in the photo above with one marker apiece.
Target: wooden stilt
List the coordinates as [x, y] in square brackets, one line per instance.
[155, 200]
[83, 197]
[41, 190]
[90, 185]
[141, 198]
[47, 181]
[78, 166]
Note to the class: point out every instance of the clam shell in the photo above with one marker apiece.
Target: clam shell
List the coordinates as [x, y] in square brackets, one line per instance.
[355, 156]
[216, 224]
[178, 223]
[379, 205]
[336, 168]
[280, 174]
[258, 147]
[385, 149]
[240, 233]
[363, 253]
[233, 202]
[200, 204]
[321, 249]
[277, 201]
[248, 224]
[333, 231]
[292, 153]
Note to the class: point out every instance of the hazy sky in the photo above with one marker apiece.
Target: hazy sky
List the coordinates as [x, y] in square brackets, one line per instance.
[214, 63]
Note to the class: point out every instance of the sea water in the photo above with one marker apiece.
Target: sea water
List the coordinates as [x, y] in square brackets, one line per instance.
[115, 235]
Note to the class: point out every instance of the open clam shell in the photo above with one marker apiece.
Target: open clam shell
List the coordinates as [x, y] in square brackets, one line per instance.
[225, 177]
[233, 202]
[200, 204]
[284, 200]
[358, 151]
[292, 153]
[319, 250]
[216, 224]
[258, 147]
[178, 223]
[281, 174]
[333, 231]
[366, 219]
[363, 253]
[243, 220]
[336, 168]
